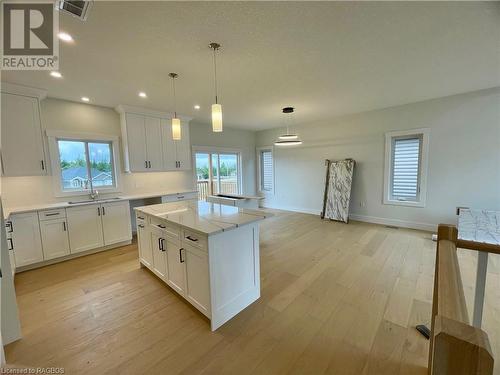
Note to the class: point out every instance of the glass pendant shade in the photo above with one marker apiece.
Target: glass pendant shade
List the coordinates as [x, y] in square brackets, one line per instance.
[216, 118]
[288, 139]
[176, 129]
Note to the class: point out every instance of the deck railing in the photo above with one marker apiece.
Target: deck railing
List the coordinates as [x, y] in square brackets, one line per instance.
[226, 187]
[456, 347]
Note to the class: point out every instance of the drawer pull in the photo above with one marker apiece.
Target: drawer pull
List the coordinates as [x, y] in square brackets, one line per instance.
[52, 214]
[139, 217]
[161, 226]
[192, 239]
[9, 226]
[141, 226]
[180, 197]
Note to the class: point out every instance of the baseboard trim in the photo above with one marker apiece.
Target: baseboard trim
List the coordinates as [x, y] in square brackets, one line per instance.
[367, 219]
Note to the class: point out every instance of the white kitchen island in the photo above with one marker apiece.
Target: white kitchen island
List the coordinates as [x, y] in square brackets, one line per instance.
[206, 252]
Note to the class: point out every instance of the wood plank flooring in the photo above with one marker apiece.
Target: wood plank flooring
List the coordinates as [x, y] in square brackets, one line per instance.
[336, 299]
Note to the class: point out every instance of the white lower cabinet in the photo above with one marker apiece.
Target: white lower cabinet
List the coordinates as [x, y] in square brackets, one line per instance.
[116, 225]
[176, 275]
[144, 242]
[85, 228]
[159, 255]
[24, 238]
[197, 279]
[55, 241]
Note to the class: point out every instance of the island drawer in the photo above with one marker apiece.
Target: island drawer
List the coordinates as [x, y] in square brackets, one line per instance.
[171, 230]
[195, 239]
[51, 214]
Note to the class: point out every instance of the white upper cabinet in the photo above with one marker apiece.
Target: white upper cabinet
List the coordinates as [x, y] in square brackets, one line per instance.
[147, 141]
[22, 142]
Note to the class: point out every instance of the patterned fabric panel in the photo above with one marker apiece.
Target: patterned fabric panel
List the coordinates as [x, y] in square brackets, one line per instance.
[338, 190]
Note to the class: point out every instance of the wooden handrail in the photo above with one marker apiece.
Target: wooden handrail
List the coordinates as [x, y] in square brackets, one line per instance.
[456, 348]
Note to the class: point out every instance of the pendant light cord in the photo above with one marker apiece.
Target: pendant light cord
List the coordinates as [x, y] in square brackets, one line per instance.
[175, 101]
[215, 74]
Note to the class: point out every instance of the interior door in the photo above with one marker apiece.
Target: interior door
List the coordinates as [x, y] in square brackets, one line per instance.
[116, 225]
[168, 145]
[22, 146]
[176, 266]
[159, 257]
[136, 141]
[153, 143]
[84, 227]
[55, 241]
[183, 148]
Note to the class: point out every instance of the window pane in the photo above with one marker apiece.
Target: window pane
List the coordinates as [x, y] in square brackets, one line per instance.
[101, 167]
[73, 161]
[215, 173]
[229, 173]
[405, 168]
[266, 170]
[202, 174]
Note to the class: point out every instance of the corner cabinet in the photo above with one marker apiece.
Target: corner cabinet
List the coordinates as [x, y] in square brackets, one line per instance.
[22, 142]
[147, 141]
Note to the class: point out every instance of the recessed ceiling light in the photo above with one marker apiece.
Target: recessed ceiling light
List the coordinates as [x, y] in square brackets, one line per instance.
[85, 99]
[56, 74]
[65, 37]
[143, 95]
[197, 106]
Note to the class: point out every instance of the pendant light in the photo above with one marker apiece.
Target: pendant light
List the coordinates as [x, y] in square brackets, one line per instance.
[216, 108]
[176, 123]
[288, 139]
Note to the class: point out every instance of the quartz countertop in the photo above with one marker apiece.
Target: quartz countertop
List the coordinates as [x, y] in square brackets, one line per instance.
[54, 205]
[479, 226]
[204, 217]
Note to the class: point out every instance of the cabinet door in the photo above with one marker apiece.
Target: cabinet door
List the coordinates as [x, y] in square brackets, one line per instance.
[159, 256]
[183, 149]
[136, 142]
[55, 242]
[153, 143]
[168, 145]
[116, 225]
[26, 240]
[144, 244]
[197, 280]
[84, 228]
[22, 145]
[176, 267]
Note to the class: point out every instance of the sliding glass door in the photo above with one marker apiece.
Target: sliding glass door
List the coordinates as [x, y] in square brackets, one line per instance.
[217, 173]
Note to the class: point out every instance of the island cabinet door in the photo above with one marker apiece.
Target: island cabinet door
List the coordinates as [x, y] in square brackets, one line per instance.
[159, 257]
[144, 243]
[176, 264]
[197, 280]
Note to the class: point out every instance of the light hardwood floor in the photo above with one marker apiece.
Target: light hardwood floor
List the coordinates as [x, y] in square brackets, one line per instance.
[336, 299]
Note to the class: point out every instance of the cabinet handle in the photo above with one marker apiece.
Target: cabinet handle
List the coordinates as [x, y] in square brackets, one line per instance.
[146, 163]
[9, 226]
[149, 162]
[43, 165]
[159, 244]
[161, 226]
[103, 211]
[98, 211]
[64, 226]
[52, 214]
[180, 255]
[141, 226]
[163, 244]
[192, 239]
[180, 197]
[140, 217]
[10, 244]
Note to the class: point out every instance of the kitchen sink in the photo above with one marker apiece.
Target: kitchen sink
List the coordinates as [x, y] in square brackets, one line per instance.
[94, 200]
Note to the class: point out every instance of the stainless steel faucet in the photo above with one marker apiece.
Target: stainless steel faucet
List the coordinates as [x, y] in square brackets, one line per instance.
[94, 194]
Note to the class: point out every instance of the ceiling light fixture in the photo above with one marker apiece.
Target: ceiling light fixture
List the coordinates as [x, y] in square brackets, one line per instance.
[288, 139]
[143, 94]
[216, 108]
[197, 107]
[176, 123]
[65, 37]
[85, 99]
[56, 74]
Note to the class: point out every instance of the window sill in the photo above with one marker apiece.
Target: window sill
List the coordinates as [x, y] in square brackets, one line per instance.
[404, 203]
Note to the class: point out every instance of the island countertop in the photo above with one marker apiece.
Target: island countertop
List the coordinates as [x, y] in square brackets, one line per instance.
[204, 217]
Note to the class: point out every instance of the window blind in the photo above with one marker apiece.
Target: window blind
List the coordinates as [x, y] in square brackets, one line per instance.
[266, 170]
[405, 168]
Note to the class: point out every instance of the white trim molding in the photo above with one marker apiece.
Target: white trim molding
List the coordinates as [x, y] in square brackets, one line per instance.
[259, 172]
[12, 88]
[423, 167]
[122, 109]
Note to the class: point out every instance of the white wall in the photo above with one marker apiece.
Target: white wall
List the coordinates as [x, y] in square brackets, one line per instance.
[464, 159]
[244, 140]
[78, 117]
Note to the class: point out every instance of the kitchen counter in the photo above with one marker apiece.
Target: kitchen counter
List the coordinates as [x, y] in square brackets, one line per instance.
[204, 217]
[48, 206]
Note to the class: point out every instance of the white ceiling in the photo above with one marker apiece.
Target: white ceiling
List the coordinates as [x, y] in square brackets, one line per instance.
[325, 58]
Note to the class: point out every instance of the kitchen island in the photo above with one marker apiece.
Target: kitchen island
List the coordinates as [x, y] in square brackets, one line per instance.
[206, 252]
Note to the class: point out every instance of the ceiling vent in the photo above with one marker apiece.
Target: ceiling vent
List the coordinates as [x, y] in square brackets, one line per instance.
[78, 9]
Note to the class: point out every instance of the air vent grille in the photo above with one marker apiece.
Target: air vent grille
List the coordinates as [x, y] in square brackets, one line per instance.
[78, 9]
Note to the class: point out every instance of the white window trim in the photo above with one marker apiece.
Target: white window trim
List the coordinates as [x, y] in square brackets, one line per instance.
[259, 172]
[54, 135]
[219, 150]
[424, 158]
